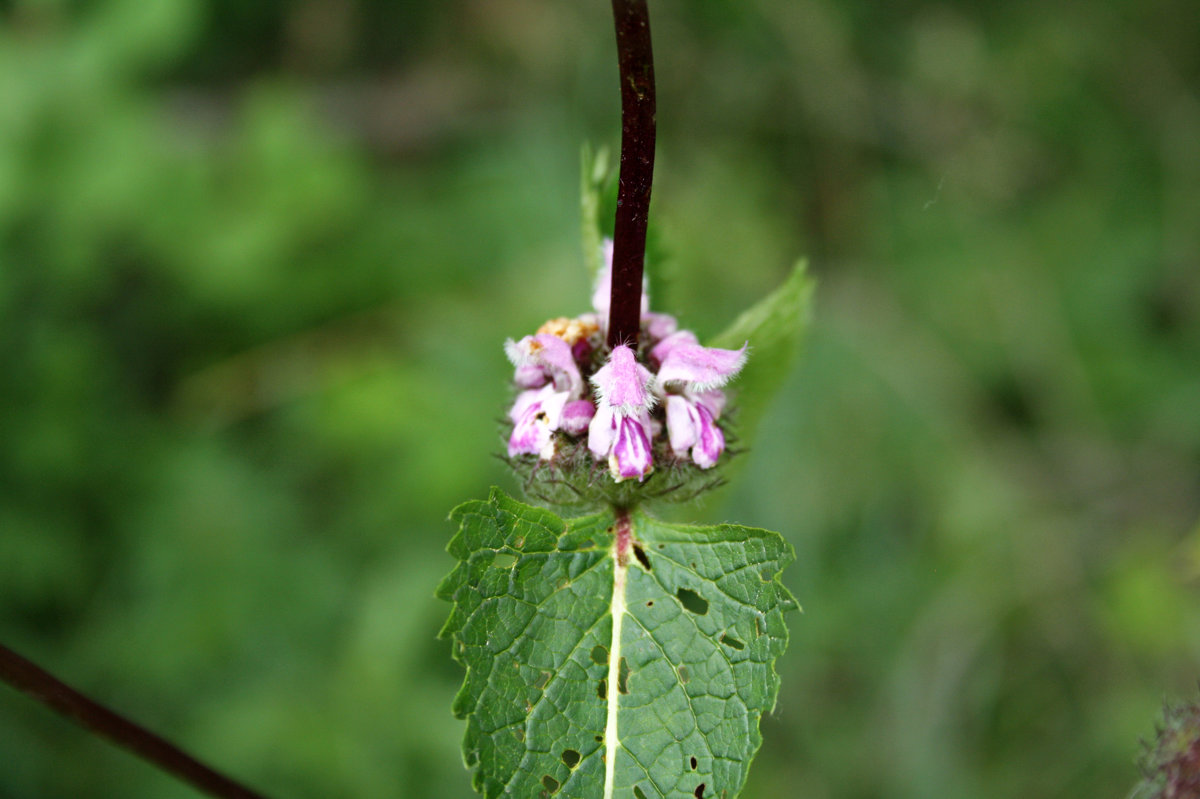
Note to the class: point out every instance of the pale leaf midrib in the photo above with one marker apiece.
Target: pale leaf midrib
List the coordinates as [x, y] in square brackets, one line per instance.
[617, 608]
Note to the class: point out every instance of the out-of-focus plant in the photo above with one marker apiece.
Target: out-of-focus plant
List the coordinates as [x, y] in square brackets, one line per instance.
[1171, 763]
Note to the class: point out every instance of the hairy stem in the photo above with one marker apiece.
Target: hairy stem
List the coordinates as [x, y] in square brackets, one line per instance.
[66, 701]
[636, 61]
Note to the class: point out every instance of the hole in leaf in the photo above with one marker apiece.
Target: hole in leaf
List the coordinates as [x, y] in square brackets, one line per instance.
[692, 602]
[732, 643]
[599, 654]
[699, 794]
[543, 680]
[640, 554]
[650, 603]
[504, 560]
[684, 674]
[638, 793]
[623, 676]
[602, 689]
[552, 784]
[599, 739]
[570, 757]
[694, 763]
[662, 546]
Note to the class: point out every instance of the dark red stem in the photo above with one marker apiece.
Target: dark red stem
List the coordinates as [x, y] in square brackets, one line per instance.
[65, 700]
[624, 535]
[636, 60]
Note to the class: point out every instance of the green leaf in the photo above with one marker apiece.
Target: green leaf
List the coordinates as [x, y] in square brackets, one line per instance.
[595, 174]
[775, 328]
[594, 673]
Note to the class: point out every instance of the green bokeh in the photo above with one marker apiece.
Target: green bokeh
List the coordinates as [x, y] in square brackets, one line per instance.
[257, 260]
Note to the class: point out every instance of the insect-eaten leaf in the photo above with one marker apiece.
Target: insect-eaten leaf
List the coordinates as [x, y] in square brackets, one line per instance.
[657, 676]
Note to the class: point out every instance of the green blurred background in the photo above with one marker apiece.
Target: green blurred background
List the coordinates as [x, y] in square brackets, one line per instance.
[257, 260]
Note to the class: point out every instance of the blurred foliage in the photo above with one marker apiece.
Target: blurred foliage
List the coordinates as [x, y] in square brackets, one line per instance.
[257, 259]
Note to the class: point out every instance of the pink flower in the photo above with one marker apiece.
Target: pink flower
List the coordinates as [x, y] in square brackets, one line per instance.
[545, 366]
[692, 425]
[552, 356]
[694, 374]
[620, 430]
[576, 416]
[535, 415]
[616, 409]
[659, 325]
[669, 342]
[698, 368]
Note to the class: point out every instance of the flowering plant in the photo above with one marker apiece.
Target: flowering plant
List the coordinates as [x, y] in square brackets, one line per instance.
[615, 654]
[583, 415]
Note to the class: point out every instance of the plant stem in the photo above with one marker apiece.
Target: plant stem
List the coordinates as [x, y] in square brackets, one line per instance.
[636, 61]
[43, 687]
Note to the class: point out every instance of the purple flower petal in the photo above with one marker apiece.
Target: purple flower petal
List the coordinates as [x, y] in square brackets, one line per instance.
[700, 368]
[576, 416]
[663, 348]
[536, 415]
[710, 441]
[659, 325]
[522, 403]
[552, 355]
[601, 431]
[631, 456]
[713, 400]
[623, 383]
[530, 376]
[681, 424]
[691, 425]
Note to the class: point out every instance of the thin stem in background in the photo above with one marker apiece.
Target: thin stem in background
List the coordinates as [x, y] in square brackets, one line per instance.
[636, 60]
[45, 688]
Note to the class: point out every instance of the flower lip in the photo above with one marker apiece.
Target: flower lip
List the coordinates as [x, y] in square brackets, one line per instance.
[700, 368]
[662, 349]
[631, 455]
[536, 414]
[659, 325]
[691, 425]
[623, 383]
[551, 354]
[576, 416]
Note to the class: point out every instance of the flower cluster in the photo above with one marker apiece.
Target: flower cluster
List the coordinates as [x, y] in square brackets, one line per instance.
[620, 402]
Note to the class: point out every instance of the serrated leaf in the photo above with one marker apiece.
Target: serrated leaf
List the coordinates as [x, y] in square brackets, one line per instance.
[775, 328]
[612, 657]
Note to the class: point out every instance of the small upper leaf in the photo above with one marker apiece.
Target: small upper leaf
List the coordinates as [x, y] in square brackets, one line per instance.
[698, 613]
[775, 327]
[595, 175]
